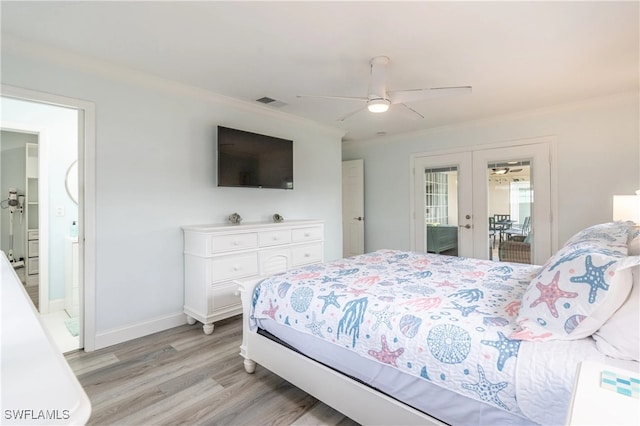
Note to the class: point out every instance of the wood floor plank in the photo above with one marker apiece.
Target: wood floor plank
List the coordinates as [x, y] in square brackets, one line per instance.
[182, 376]
[322, 415]
[165, 412]
[84, 365]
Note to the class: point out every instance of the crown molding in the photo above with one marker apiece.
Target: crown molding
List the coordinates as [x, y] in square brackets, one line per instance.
[110, 70]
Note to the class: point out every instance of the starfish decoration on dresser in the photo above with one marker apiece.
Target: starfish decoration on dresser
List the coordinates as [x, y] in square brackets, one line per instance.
[383, 316]
[315, 326]
[505, 346]
[550, 293]
[594, 276]
[486, 390]
[385, 355]
[330, 299]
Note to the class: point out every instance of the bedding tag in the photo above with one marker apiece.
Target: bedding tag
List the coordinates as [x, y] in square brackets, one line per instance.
[625, 384]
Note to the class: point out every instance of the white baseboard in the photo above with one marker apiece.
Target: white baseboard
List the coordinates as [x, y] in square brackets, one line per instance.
[123, 334]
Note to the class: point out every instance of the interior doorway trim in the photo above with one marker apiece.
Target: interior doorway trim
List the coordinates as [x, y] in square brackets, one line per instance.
[86, 202]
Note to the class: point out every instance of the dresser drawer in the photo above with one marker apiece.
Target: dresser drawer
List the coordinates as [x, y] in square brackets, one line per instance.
[306, 254]
[237, 266]
[311, 233]
[223, 296]
[272, 238]
[275, 261]
[222, 243]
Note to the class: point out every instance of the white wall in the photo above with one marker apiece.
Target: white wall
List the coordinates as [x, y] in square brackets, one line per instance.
[598, 155]
[156, 171]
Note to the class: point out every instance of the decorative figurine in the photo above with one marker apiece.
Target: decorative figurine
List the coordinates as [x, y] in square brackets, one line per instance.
[277, 218]
[235, 219]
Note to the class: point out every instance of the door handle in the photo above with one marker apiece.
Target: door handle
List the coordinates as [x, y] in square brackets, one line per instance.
[467, 226]
[359, 218]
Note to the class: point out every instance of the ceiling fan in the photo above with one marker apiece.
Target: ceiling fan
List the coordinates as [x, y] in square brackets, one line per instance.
[379, 99]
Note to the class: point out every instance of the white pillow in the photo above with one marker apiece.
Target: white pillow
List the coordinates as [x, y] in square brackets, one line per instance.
[619, 337]
[610, 234]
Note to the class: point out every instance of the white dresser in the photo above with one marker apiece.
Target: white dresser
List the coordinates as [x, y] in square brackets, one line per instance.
[218, 257]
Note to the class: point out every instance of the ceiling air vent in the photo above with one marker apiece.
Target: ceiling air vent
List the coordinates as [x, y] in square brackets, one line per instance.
[271, 102]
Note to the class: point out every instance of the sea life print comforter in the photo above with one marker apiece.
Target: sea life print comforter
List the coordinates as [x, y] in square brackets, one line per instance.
[444, 319]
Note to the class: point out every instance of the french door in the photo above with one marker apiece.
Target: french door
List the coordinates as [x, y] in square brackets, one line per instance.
[456, 194]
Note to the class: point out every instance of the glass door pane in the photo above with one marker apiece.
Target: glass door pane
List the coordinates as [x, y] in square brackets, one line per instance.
[441, 210]
[510, 201]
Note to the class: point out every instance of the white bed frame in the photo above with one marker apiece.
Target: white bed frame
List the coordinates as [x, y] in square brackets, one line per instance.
[357, 401]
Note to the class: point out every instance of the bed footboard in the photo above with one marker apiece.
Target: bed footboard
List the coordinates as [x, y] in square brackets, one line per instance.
[350, 397]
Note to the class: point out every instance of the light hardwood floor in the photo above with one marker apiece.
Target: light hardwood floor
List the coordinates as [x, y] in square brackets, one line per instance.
[182, 376]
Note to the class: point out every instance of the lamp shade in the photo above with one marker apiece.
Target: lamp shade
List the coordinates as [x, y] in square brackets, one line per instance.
[626, 207]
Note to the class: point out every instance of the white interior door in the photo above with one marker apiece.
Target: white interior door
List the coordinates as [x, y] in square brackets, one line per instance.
[352, 207]
[451, 194]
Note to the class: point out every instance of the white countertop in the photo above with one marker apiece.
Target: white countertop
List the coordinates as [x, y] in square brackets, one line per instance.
[37, 385]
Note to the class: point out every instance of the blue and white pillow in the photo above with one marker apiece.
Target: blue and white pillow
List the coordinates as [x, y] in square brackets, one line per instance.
[580, 287]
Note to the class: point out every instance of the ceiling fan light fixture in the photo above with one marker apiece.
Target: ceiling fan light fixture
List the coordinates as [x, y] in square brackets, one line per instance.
[378, 105]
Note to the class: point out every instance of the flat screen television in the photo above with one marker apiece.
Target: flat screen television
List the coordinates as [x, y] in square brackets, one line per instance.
[251, 160]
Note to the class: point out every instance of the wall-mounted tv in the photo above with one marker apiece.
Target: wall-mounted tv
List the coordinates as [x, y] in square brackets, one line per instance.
[248, 159]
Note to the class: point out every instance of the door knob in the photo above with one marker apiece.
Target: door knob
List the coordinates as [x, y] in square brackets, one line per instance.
[467, 226]
[359, 218]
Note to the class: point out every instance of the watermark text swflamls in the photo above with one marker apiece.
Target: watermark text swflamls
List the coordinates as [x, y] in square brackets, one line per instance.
[30, 414]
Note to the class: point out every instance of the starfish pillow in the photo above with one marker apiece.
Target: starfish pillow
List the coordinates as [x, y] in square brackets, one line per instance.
[576, 291]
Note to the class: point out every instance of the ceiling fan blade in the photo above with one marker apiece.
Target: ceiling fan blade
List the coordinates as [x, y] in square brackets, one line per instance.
[349, 115]
[343, 98]
[402, 96]
[416, 115]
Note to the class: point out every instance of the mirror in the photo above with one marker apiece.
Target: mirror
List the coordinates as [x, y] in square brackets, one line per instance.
[71, 181]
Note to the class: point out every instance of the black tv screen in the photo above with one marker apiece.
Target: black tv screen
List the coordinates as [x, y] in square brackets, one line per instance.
[248, 159]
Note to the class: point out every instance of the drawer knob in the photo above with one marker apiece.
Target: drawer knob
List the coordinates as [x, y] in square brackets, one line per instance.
[307, 255]
[237, 268]
[275, 238]
[236, 243]
[306, 234]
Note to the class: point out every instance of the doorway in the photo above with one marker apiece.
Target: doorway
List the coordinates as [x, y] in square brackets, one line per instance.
[459, 196]
[56, 219]
[352, 207]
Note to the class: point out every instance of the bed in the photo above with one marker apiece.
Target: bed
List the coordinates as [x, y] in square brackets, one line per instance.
[394, 337]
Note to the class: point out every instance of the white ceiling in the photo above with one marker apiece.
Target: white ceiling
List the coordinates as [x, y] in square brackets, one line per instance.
[516, 55]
